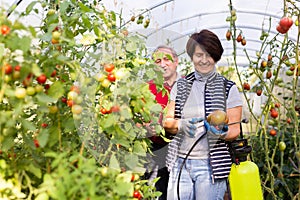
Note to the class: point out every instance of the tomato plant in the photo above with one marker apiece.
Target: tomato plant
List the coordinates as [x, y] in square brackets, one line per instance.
[51, 131]
[274, 132]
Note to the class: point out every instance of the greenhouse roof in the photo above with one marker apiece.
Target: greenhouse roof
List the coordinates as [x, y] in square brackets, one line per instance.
[172, 21]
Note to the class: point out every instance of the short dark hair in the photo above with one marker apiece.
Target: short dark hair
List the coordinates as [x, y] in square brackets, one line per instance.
[207, 40]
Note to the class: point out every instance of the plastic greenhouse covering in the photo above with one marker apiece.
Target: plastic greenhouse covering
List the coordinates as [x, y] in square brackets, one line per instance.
[75, 104]
[172, 21]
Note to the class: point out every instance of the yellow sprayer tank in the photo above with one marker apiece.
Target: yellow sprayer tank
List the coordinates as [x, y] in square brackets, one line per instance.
[244, 181]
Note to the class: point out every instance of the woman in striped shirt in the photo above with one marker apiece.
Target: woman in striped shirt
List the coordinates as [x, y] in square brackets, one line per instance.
[198, 157]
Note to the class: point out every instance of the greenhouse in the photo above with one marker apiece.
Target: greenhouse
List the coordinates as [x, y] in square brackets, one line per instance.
[118, 99]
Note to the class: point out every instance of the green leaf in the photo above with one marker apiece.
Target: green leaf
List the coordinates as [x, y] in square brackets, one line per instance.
[30, 7]
[83, 7]
[155, 108]
[131, 160]
[56, 90]
[86, 21]
[63, 6]
[27, 125]
[7, 143]
[32, 31]
[114, 163]
[34, 170]
[19, 43]
[35, 69]
[124, 188]
[43, 137]
[138, 148]
[25, 43]
[43, 98]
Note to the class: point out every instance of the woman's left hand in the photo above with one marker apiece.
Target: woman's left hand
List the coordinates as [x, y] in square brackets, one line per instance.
[222, 131]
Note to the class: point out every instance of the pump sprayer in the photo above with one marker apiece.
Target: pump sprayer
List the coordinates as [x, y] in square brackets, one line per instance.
[244, 178]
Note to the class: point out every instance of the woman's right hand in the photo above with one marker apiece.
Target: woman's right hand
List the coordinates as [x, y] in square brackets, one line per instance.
[190, 125]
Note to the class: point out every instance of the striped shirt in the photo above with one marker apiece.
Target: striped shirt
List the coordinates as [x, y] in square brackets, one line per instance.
[216, 92]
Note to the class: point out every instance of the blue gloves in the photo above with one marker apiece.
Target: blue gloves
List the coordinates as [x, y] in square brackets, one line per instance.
[190, 125]
[214, 130]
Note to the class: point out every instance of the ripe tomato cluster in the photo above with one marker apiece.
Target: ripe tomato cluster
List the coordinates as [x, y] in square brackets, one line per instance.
[74, 99]
[240, 38]
[284, 25]
[13, 73]
[108, 76]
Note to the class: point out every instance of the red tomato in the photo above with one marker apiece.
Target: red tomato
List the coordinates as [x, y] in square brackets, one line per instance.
[274, 114]
[53, 74]
[228, 35]
[109, 67]
[258, 92]
[269, 74]
[64, 99]
[244, 42]
[273, 132]
[47, 86]
[280, 29]
[5, 30]
[246, 86]
[36, 143]
[104, 111]
[137, 194]
[8, 69]
[239, 38]
[44, 125]
[17, 68]
[70, 103]
[111, 77]
[286, 23]
[41, 79]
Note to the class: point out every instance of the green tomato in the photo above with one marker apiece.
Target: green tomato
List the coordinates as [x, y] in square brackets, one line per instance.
[56, 35]
[20, 93]
[72, 95]
[76, 109]
[53, 109]
[104, 171]
[282, 146]
[51, 12]
[30, 90]
[289, 73]
[105, 83]
[39, 88]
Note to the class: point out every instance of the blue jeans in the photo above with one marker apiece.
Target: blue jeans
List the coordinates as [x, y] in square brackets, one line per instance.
[195, 181]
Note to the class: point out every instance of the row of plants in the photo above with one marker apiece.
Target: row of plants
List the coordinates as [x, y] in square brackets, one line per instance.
[273, 77]
[73, 98]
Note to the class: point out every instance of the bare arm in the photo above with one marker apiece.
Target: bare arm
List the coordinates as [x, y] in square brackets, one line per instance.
[234, 115]
[170, 123]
